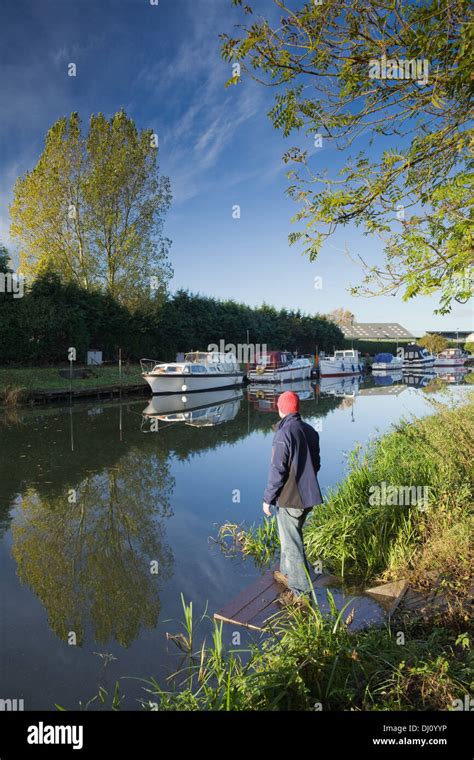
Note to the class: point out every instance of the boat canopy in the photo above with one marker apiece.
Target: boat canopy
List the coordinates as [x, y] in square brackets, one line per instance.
[209, 357]
[383, 358]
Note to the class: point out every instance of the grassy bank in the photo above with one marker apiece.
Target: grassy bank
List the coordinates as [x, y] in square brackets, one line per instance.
[311, 662]
[17, 384]
[421, 540]
[428, 466]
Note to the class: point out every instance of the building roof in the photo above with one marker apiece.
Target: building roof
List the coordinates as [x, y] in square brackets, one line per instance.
[461, 335]
[374, 330]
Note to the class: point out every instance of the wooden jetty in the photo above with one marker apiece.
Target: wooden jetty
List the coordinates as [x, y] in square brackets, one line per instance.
[103, 391]
[256, 604]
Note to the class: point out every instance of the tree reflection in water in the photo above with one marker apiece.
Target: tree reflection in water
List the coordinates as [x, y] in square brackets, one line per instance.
[93, 563]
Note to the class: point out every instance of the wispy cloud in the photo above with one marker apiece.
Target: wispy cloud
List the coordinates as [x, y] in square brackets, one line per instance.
[207, 117]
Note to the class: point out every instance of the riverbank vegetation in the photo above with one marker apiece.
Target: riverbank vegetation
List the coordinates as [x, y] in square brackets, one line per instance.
[54, 315]
[18, 383]
[311, 662]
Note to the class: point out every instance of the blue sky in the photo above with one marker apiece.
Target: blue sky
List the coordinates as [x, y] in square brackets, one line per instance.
[162, 64]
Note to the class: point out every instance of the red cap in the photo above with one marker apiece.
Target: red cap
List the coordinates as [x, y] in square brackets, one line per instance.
[289, 403]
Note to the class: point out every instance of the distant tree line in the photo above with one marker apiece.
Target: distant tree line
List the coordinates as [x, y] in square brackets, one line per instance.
[54, 315]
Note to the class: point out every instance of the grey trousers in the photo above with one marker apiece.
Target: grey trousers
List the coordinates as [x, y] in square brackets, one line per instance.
[293, 562]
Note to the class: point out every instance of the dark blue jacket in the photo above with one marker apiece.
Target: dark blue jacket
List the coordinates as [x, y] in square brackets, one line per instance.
[292, 480]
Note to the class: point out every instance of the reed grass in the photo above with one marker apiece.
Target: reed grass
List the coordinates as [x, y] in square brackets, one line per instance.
[311, 662]
[361, 541]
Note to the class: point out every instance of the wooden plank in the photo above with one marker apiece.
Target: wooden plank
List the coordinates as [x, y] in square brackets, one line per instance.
[261, 602]
[266, 617]
[255, 604]
[245, 596]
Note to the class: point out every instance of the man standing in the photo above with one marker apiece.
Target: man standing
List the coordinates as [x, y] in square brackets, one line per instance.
[293, 487]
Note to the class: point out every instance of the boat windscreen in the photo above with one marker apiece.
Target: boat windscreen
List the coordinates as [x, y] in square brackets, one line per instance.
[197, 357]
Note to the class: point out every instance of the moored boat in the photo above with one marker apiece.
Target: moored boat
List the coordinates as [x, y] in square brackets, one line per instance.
[450, 357]
[280, 367]
[345, 362]
[200, 371]
[417, 357]
[386, 361]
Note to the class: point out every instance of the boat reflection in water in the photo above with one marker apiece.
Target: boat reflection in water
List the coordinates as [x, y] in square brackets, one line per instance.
[451, 375]
[202, 409]
[418, 379]
[386, 378]
[344, 387]
[264, 396]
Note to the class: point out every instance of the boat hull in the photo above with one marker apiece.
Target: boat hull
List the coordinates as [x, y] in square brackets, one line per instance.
[457, 362]
[281, 375]
[187, 383]
[387, 366]
[418, 364]
[338, 369]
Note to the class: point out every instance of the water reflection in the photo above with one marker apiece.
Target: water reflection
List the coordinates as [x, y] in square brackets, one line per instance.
[382, 377]
[341, 387]
[203, 409]
[453, 375]
[88, 503]
[264, 396]
[96, 553]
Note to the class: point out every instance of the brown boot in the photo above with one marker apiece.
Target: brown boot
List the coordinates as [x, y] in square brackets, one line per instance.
[280, 578]
[288, 599]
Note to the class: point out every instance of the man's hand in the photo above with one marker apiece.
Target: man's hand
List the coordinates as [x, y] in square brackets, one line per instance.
[267, 509]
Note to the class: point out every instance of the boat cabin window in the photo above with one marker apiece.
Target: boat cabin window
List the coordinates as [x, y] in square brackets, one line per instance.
[198, 368]
[196, 357]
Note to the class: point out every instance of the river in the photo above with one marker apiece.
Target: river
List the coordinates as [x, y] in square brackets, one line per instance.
[107, 515]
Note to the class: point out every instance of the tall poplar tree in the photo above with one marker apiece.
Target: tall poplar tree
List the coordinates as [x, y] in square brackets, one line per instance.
[93, 207]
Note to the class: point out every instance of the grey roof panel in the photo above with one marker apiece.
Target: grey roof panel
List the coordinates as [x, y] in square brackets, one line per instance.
[376, 330]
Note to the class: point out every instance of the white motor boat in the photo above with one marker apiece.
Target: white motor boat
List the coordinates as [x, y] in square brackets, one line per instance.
[200, 370]
[387, 362]
[450, 357]
[345, 362]
[280, 367]
[416, 357]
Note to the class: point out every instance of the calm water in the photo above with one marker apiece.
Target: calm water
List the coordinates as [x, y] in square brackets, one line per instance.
[147, 490]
